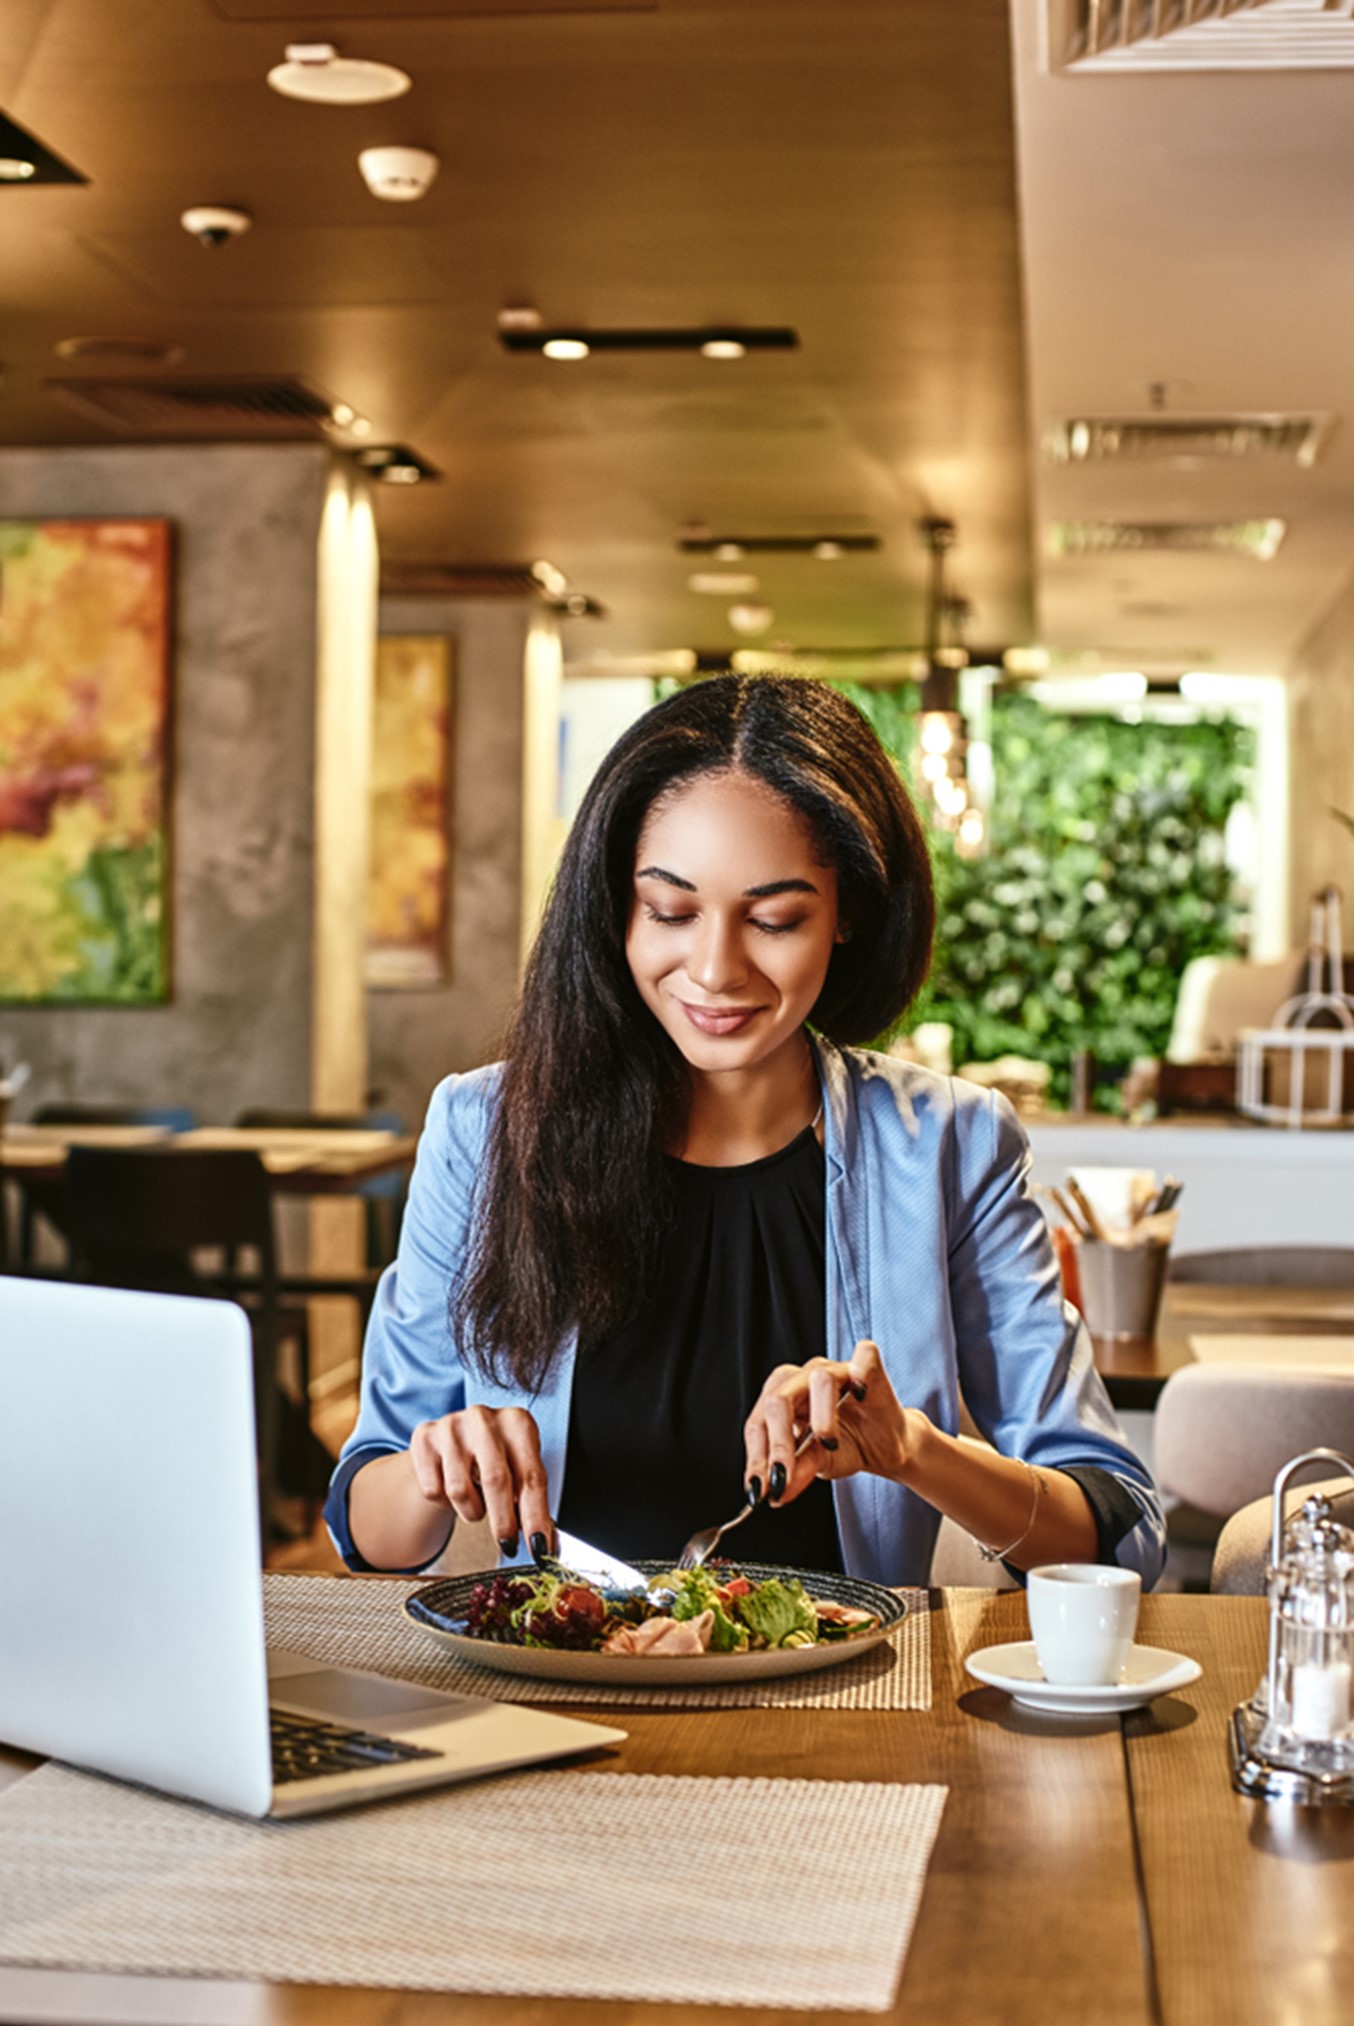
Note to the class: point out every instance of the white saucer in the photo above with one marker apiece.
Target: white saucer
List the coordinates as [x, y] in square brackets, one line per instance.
[1148, 1672]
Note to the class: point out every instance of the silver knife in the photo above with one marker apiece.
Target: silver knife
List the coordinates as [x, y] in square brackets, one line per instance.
[595, 1565]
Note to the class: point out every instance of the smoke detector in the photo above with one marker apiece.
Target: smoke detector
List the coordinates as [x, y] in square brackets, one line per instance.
[398, 174]
[215, 224]
[315, 71]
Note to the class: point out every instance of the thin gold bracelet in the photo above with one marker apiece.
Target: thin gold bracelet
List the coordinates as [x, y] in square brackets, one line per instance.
[1000, 1554]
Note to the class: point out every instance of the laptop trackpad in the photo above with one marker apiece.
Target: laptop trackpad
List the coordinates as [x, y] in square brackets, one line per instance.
[366, 1700]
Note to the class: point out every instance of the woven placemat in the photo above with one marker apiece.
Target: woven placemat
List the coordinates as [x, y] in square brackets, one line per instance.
[353, 1623]
[784, 1893]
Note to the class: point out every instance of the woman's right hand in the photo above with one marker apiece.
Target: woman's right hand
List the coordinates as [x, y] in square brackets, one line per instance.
[486, 1460]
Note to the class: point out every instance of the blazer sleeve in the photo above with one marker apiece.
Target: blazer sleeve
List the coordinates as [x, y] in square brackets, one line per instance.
[1026, 1369]
[411, 1370]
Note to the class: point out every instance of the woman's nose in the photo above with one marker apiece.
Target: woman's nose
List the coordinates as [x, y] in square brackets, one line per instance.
[716, 962]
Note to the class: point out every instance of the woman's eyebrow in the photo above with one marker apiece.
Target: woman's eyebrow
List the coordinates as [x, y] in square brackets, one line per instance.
[773, 886]
[671, 878]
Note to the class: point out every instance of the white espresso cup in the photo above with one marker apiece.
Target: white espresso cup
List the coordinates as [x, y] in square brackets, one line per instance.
[1082, 1617]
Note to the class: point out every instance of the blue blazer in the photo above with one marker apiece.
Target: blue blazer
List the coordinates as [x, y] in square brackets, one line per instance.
[935, 1250]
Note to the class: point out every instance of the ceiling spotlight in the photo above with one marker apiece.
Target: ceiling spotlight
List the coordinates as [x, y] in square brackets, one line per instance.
[400, 175]
[565, 348]
[24, 159]
[395, 464]
[215, 224]
[316, 72]
[829, 551]
[342, 415]
[727, 552]
[519, 317]
[724, 348]
[750, 618]
[552, 581]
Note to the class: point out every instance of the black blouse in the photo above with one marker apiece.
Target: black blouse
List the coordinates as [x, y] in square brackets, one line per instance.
[655, 1447]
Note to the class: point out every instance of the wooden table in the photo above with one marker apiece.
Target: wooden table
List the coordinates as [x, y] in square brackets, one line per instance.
[1136, 1368]
[1091, 1870]
[304, 1161]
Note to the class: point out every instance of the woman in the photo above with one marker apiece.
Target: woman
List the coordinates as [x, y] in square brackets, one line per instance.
[684, 1227]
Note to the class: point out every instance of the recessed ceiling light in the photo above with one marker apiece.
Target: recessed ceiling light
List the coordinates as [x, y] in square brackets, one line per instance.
[519, 317]
[316, 72]
[725, 552]
[551, 580]
[565, 348]
[750, 618]
[828, 551]
[724, 584]
[724, 348]
[13, 169]
[395, 464]
[342, 414]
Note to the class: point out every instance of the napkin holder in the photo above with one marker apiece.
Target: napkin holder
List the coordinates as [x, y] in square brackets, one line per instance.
[1294, 1739]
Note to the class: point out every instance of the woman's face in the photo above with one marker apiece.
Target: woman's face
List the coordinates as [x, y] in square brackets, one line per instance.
[732, 921]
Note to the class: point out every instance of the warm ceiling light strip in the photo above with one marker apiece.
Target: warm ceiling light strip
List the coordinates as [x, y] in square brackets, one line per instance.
[827, 547]
[715, 340]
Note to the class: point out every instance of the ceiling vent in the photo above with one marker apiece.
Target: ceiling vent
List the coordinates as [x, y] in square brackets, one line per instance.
[1294, 439]
[1257, 539]
[216, 411]
[290, 11]
[1102, 36]
[487, 580]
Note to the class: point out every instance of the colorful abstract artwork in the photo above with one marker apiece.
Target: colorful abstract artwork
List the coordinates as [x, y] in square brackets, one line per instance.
[84, 753]
[410, 812]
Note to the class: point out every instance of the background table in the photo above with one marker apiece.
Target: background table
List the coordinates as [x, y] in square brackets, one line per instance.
[1089, 1869]
[1136, 1368]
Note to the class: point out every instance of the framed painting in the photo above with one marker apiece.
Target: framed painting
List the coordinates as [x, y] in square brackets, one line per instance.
[409, 879]
[84, 761]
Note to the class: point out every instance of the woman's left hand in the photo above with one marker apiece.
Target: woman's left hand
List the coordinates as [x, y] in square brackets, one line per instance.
[853, 1413]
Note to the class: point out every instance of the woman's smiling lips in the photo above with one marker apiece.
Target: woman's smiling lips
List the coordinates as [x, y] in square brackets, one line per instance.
[718, 1019]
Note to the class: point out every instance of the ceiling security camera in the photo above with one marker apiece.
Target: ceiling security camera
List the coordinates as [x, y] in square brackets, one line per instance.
[214, 224]
[398, 174]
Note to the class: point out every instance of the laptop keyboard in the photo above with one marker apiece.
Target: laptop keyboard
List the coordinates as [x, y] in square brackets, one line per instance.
[306, 1749]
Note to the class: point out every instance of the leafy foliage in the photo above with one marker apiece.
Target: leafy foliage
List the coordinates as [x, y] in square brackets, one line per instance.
[1105, 875]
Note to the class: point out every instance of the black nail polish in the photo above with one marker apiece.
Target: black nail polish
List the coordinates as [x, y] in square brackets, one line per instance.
[827, 1442]
[777, 1482]
[858, 1388]
[754, 1491]
[540, 1547]
[509, 1545]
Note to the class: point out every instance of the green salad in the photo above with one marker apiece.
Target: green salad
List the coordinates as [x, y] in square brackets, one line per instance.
[709, 1610]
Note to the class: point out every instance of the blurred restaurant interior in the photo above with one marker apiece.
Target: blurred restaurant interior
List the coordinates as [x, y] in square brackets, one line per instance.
[397, 397]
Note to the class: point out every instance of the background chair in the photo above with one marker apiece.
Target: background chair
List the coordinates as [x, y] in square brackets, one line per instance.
[178, 1221]
[1241, 1563]
[1223, 1432]
[43, 1198]
[382, 1195]
[1268, 1266]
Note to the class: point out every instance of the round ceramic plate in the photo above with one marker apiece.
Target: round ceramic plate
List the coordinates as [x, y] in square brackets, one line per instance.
[440, 1608]
[1148, 1672]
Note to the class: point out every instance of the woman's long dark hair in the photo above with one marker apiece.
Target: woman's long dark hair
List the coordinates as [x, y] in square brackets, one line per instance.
[571, 1203]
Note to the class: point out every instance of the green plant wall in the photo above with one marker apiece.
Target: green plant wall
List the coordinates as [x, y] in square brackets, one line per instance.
[1105, 874]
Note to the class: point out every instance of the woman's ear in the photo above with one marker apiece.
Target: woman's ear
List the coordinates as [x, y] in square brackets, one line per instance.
[843, 934]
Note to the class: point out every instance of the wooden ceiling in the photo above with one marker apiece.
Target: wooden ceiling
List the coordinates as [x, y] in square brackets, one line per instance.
[846, 168]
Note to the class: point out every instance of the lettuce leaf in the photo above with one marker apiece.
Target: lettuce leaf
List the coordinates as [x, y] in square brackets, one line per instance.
[779, 1614]
[697, 1591]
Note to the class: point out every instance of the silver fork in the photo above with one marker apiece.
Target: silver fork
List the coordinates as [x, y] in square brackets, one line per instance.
[702, 1545]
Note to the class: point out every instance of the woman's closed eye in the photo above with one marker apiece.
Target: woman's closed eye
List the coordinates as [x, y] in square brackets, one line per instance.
[677, 921]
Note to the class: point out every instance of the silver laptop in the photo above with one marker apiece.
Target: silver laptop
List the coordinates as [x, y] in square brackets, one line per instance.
[131, 1597]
